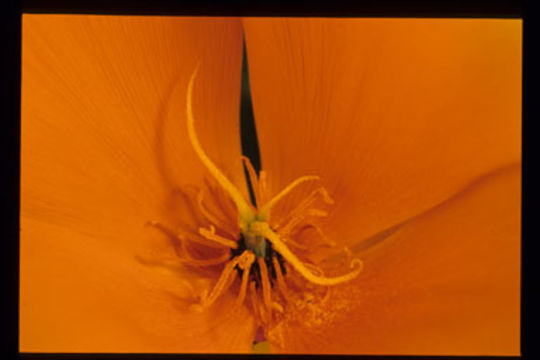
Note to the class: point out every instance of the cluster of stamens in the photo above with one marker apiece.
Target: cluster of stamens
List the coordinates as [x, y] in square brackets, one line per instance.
[273, 260]
[256, 253]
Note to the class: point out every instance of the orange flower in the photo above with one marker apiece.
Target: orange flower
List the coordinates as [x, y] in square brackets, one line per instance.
[387, 213]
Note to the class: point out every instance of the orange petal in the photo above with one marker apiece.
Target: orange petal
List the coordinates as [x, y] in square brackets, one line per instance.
[104, 145]
[394, 115]
[446, 282]
[80, 294]
[104, 136]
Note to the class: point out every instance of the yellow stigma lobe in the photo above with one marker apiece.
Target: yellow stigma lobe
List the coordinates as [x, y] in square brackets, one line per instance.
[245, 213]
[262, 229]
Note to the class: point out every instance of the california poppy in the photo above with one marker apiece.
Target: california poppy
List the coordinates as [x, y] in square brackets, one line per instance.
[397, 142]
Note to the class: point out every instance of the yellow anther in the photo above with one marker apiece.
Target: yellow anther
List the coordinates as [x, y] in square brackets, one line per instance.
[244, 209]
[265, 283]
[266, 208]
[253, 179]
[180, 239]
[209, 216]
[244, 263]
[222, 284]
[246, 259]
[210, 234]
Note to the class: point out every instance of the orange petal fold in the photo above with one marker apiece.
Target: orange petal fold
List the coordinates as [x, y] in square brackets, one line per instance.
[445, 283]
[104, 149]
[394, 115]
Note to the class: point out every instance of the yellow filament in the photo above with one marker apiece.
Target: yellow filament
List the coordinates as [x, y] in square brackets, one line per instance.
[264, 230]
[245, 265]
[228, 207]
[222, 284]
[325, 240]
[171, 234]
[257, 308]
[210, 234]
[190, 288]
[245, 213]
[266, 208]
[263, 188]
[253, 179]
[293, 221]
[281, 282]
[210, 217]
[300, 210]
[265, 283]
[326, 197]
[207, 262]
[316, 212]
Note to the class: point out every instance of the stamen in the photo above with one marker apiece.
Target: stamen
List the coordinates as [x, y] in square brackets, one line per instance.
[244, 264]
[210, 234]
[293, 243]
[187, 258]
[224, 201]
[300, 210]
[207, 262]
[265, 283]
[253, 179]
[222, 284]
[190, 288]
[254, 303]
[257, 306]
[177, 237]
[263, 187]
[210, 217]
[326, 241]
[290, 225]
[299, 266]
[245, 212]
[281, 282]
[266, 208]
[254, 300]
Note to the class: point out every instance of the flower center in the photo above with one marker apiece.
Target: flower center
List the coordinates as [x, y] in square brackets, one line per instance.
[261, 248]
[260, 255]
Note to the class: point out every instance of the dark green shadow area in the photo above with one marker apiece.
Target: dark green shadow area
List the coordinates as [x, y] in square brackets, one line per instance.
[248, 130]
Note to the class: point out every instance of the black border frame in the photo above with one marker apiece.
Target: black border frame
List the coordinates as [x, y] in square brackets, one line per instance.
[361, 8]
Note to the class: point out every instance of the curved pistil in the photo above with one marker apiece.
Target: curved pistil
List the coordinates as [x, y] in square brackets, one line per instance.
[245, 213]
